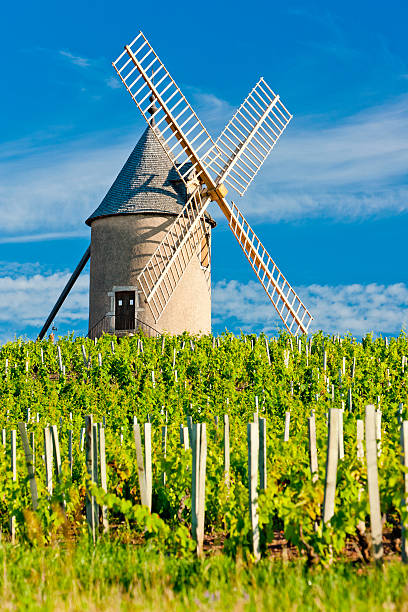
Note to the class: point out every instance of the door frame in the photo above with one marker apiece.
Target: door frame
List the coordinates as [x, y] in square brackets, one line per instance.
[111, 295]
[125, 311]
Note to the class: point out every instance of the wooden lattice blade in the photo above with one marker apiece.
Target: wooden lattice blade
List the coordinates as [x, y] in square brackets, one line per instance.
[235, 158]
[288, 305]
[162, 273]
[180, 132]
[248, 138]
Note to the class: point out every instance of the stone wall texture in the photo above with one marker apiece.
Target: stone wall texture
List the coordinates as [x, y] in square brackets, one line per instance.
[120, 247]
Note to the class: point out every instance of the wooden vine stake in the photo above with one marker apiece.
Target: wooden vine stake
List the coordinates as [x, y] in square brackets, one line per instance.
[198, 471]
[13, 465]
[361, 527]
[190, 428]
[314, 468]
[95, 477]
[378, 415]
[90, 468]
[144, 465]
[331, 465]
[253, 460]
[404, 500]
[84, 357]
[164, 447]
[262, 455]
[341, 434]
[60, 363]
[267, 350]
[148, 462]
[360, 439]
[70, 453]
[56, 453]
[29, 463]
[32, 444]
[372, 480]
[82, 439]
[226, 451]
[287, 426]
[56, 450]
[102, 460]
[48, 460]
[184, 437]
[400, 413]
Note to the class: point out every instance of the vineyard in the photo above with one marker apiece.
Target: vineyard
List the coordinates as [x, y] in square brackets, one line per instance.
[251, 449]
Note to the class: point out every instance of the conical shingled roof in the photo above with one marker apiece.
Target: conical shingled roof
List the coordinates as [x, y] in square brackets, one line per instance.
[147, 183]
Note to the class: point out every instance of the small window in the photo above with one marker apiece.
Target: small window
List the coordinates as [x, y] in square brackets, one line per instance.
[119, 302]
[131, 302]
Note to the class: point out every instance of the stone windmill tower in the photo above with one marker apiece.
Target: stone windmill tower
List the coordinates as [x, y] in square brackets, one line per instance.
[151, 235]
[126, 228]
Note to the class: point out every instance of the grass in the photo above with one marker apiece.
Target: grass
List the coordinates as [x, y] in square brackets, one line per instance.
[116, 576]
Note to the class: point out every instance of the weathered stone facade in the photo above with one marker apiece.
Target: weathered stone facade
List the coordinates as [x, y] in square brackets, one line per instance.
[126, 228]
[120, 247]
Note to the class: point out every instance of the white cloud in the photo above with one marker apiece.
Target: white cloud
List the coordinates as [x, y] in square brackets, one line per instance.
[212, 110]
[28, 292]
[113, 82]
[42, 237]
[370, 145]
[15, 268]
[96, 70]
[56, 190]
[336, 309]
[26, 301]
[345, 169]
[83, 62]
[350, 168]
[275, 206]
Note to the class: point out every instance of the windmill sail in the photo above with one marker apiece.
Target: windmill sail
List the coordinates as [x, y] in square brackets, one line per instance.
[164, 270]
[235, 159]
[248, 138]
[181, 133]
[288, 305]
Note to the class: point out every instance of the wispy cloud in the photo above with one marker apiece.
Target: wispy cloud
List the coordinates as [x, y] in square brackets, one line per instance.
[26, 300]
[359, 308]
[96, 70]
[28, 292]
[371, 145]
[86, 73]
[14, 269]
[60, 188]
[43, 237]
[213, 111]
[345, 169]
[77, 60]
[336, 309]
[351, 168]
[113, 82]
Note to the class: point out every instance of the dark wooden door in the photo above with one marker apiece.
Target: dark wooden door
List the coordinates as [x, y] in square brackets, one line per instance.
[124, 310]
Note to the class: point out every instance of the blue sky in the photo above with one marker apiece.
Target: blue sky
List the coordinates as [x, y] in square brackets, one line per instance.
[330, 204]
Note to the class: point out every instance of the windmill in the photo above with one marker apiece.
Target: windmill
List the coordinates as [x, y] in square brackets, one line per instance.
[204, 169]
